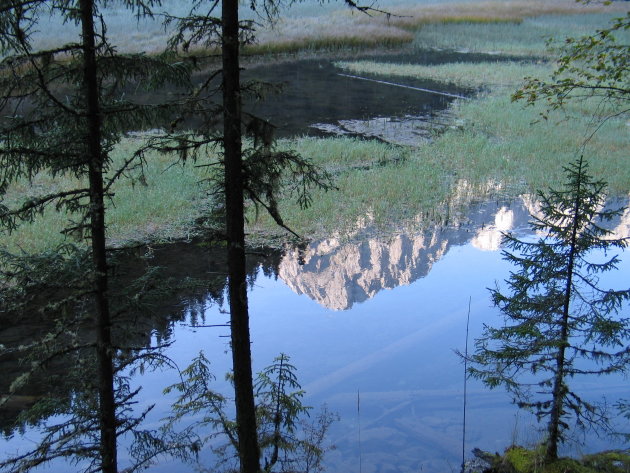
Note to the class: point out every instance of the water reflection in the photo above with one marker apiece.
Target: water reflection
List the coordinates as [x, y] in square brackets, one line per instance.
[188, 279]
[316, 99]
[337, 275]
[321, 99]
[488, 237]
[394, 351]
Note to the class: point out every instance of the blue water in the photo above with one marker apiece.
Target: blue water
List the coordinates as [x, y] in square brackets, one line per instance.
[392, 349]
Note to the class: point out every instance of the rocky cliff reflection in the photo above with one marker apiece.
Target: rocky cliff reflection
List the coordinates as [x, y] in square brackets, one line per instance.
[337, 274]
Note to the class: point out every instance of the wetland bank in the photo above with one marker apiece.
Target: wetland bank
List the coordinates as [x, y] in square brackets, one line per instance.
[372, 308]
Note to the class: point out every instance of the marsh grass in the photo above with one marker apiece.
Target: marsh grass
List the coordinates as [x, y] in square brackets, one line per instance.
[527, 37]
[353, 40]
[473, 75]
[484, 13]
[497, 152]
[311, 25]
[492, 26]
[500, 150]
[344, 154]
[164, 209]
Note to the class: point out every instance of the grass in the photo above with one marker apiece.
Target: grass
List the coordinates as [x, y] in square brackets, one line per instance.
[473, 75]
[499, 149]
[312, 25]
[524, 38]
[503, 141]
[496, 148]
[352, 40]
[489, 12]
[164, 209]
[518, 459]
[511, 27]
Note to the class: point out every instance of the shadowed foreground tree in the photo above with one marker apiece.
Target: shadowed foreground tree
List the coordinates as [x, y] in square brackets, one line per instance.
[558, 323]
[257, 173]
[594, 66]
[63, 110]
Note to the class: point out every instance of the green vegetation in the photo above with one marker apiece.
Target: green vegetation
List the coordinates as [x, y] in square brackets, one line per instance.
[496, 149]
[464, 74]
[592, 67]
[328, 44]
[517, 459]
[310, 25]
[493, 147]
[161, 206]
[514, 27]
[520, 38]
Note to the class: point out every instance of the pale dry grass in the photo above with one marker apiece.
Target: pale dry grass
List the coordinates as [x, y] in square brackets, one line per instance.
[413, 16]
[315, 26]
[311, 33]
[355, 29]
[528, 38]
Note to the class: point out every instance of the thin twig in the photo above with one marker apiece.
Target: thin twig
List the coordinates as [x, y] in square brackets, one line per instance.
[465, 388]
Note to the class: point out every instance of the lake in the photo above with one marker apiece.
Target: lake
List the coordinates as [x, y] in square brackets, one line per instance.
[371, 325]
[377, 323]
[381, 319]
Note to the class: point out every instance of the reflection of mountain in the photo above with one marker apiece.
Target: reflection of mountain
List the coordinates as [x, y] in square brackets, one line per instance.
[338, 275]
[622, 227]
[488, 238]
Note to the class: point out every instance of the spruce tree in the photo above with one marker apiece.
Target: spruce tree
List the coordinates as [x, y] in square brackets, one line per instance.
[64, 110]
[258, 172]
[559, 323]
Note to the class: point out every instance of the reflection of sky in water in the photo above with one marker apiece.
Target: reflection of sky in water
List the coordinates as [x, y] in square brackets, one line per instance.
[396, 348]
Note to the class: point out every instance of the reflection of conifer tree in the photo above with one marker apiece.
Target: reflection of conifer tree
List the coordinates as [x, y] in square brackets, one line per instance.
[257, 173]
[66, 110]
[559, 323]
[287, 441]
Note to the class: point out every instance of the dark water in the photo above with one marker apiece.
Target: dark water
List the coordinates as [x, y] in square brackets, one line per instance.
[313, 92]
[313, 97]
[316, 98]
[377, 320]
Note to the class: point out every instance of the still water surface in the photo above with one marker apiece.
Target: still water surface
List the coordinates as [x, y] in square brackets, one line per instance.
[381, 320]
[376, 321]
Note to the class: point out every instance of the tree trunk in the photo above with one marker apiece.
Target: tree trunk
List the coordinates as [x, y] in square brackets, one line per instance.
[235, 221]
[559, 389]
[107, 406]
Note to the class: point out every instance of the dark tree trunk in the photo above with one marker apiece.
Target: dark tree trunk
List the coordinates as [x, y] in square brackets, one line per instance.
[107, 407]
[559, 388]
[235, 221]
